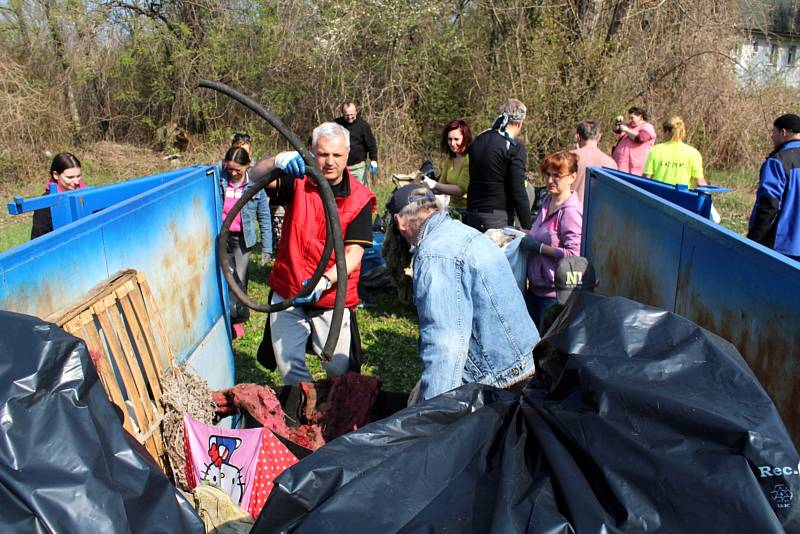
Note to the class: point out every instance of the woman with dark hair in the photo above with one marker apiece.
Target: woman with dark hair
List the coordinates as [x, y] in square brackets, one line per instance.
[673, 161]
[555, 233]
[634, 141]
[65, 172]
[456, 137]
[234, 181]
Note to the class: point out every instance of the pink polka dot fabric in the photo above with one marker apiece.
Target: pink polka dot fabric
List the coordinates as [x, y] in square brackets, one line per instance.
[273, 459]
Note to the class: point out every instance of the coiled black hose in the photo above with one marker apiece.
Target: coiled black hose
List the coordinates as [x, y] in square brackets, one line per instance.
[333, 240]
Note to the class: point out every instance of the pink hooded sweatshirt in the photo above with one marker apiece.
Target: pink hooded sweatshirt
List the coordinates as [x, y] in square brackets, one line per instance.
[561, 229]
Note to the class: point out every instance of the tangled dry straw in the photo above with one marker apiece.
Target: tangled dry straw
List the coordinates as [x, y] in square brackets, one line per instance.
[182, 391]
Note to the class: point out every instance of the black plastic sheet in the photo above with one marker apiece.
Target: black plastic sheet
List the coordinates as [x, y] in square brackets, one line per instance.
[638, 421]
[66, 463]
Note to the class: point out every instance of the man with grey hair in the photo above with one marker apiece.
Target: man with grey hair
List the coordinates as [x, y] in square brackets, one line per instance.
[587, 136]
[473, 324]
[301, 248]
[497, 179]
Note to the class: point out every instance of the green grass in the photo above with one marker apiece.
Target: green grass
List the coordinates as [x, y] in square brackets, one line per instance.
[15, 233]
[734, 207]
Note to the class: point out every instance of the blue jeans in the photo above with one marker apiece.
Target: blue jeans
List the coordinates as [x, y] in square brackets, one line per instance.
[537, 307]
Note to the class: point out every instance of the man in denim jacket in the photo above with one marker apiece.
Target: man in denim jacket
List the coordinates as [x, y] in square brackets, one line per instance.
[473, 323]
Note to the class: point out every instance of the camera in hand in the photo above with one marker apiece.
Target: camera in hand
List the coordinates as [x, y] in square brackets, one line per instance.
[618, 124]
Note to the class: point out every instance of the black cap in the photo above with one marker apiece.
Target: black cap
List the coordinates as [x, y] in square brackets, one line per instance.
[573, 273]
[789, 122]
[408, 194]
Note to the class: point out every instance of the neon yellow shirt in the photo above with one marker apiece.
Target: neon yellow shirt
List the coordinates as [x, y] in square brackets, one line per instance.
[674, 162]
[459, 178]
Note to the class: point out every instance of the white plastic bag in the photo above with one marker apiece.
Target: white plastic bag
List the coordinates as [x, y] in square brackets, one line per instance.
[517, 259]
[714, 215]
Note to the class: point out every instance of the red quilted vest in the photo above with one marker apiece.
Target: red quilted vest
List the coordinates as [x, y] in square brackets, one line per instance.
[303, 239]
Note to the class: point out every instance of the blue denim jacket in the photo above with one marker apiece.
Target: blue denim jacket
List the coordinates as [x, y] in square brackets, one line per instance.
[256, 209]
[473, 323]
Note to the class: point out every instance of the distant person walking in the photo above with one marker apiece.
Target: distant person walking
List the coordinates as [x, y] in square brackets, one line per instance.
[363, 146]
[497, 160]
[65, 172]
[673, 161]
[634, 141]
[587, 136]
[775, 220]
[454, 181]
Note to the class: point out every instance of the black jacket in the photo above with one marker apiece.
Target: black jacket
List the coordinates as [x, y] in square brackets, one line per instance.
[362, 142]
[497, 176]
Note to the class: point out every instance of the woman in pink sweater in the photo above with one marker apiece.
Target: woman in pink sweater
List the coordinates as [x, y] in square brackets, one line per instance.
[634, 141]
[555, 233]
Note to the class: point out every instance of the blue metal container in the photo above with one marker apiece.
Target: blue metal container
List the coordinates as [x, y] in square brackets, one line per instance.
[651, 250]
[164, 226]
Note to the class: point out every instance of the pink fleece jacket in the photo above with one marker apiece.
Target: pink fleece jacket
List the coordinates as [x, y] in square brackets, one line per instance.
[561, 229]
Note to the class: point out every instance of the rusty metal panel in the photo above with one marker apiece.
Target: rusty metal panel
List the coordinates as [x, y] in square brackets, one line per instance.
[751, 297]
[650, 250]
[619, 236]
[167, 232]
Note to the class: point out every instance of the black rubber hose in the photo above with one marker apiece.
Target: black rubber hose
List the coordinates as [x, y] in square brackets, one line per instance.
[333, 239]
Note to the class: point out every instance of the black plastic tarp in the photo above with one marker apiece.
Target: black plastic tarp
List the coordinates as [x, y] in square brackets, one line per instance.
[66, 463]
[638, 421]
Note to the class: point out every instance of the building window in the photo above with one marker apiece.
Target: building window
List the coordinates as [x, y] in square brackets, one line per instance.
[773, 55]
[791, 57]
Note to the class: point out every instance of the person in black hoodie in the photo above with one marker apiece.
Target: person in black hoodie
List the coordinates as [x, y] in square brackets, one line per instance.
[497, 173]
[363, 148]
[65, 173]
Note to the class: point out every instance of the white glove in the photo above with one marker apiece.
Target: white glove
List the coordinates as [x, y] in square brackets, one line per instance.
[291, 163]
[430, 183]
[322, 286]
[373, 167]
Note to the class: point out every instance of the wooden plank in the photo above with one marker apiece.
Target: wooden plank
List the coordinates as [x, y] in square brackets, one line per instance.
[116, 354]
[143, 314]
[107, 371]
[148, 296]
[140, 310]
[146, 356]
[94, 295]
[130, 357]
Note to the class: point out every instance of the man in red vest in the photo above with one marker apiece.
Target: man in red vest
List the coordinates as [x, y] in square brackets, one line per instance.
[301, 246]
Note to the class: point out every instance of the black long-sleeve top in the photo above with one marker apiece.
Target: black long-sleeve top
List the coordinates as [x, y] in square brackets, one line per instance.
[362, 142]
[497, 176]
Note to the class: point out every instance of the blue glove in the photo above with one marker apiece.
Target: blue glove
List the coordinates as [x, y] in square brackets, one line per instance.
[291, 163]
[531, 244]
[322, 286]
[373, 167]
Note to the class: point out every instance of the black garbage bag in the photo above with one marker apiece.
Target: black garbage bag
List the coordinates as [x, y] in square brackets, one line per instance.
[66, 463]
[638, 421]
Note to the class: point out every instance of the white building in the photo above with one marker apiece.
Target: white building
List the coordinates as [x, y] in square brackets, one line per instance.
[769, 57]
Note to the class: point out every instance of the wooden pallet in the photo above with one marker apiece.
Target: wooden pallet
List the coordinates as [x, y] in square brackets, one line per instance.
[118, 320]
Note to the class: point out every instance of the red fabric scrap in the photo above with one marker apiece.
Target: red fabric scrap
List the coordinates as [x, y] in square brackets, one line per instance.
[259, 401]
